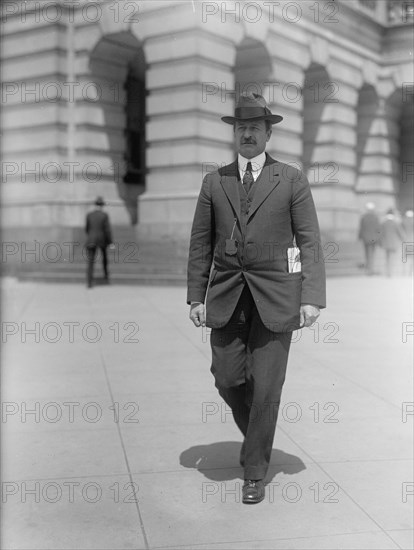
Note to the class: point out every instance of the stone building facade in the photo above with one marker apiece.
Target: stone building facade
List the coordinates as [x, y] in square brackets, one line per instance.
[124, 99]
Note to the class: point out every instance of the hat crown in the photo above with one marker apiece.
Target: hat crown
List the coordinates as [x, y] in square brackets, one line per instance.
[251, 99]
[251, 106]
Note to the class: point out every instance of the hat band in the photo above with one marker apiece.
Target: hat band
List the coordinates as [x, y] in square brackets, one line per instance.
[251, 112]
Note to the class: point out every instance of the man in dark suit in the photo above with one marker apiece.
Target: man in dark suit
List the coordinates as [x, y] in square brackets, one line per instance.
[369, 234]
[99, 236]
[242, 285]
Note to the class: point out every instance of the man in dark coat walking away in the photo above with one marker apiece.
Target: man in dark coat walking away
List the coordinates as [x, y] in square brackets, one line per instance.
[245, 280]
[99, 236]
[369, 234]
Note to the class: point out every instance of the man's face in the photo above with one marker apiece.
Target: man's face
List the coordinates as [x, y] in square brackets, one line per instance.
[251, 137]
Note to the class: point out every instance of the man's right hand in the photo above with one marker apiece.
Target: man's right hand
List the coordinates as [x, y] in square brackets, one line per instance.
[197, 314]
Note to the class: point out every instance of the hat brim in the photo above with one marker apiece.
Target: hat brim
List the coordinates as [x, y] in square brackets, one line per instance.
[274, 119]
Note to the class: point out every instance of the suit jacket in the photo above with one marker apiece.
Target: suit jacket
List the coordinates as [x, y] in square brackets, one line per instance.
[369, 228]
[98, 229]
[282, 209]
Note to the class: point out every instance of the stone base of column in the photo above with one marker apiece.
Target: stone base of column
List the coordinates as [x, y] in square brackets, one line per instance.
[163, 215]
[338, 212]
[338, 224]
[60, 204]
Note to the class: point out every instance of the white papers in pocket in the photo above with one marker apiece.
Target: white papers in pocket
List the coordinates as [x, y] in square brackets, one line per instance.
[294, 265]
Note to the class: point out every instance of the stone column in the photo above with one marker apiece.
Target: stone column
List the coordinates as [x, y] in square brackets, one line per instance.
[379, 159]
[330, 145]
[33, 114]
[284, 93]
[187, 81]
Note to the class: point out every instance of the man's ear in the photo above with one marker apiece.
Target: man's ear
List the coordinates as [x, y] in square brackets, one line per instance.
[269, 133]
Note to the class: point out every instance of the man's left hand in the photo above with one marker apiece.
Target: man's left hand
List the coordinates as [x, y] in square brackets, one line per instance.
[308, 315]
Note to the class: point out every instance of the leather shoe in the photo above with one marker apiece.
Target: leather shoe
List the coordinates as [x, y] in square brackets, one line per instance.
[253, 491]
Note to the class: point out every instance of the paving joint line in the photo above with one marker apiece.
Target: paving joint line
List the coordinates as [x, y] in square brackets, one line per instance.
[318, 464]
[187, 547]
[103, 363]
[177, 327]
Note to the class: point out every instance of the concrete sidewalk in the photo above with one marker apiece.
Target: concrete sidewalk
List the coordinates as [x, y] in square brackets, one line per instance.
[114, 436]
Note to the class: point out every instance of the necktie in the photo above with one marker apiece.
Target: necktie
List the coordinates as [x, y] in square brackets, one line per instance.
[248, 177]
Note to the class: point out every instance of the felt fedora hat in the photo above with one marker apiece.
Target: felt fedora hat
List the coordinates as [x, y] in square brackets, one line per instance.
[99, 201]
[251, 106]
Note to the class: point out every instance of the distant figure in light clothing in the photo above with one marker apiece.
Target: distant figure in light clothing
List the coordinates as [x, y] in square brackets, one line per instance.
[369, 234]
[392, 237]
[408, 247]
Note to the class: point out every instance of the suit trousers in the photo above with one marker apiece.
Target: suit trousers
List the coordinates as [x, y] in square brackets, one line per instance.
[369, 257]
[91, 252]
[249, 366]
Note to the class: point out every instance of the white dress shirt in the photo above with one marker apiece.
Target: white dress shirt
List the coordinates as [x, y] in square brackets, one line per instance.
[257, 165]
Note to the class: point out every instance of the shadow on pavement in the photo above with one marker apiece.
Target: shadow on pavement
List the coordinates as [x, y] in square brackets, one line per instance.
[219, 461]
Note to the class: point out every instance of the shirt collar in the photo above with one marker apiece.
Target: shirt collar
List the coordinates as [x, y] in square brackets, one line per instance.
[257, 162]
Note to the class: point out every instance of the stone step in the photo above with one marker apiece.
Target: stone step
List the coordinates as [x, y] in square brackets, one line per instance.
[148, 274]
[117, 279]
[162, 261]
[80, 267]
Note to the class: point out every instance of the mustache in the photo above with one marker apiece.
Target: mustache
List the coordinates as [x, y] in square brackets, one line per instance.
[248, 142]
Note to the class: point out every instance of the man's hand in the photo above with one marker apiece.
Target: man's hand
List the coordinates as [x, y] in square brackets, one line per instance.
[197, 314]
[308, 315]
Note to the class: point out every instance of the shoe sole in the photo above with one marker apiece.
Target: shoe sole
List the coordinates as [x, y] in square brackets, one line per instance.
[253, 501]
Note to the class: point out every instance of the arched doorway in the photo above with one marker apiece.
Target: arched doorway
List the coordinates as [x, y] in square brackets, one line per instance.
[252, 69]
[117, 65]
[384, 149]
[370, 145]
[399, 117]
[316, 90]
[135, 124]
[405, 195]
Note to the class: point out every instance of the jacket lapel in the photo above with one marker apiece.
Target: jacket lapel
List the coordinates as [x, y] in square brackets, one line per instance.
[268, 179]
[228, 181]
